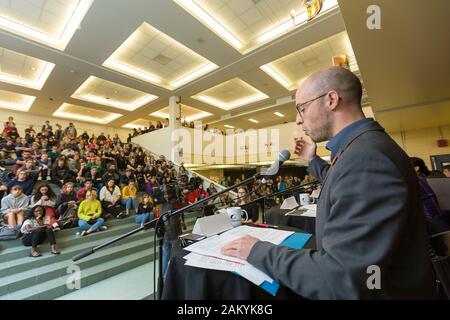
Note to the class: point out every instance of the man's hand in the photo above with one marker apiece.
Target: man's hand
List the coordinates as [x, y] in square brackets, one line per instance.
[240, 248]
[304, 150]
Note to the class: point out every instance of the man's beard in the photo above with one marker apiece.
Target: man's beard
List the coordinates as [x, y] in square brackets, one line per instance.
[322, 132]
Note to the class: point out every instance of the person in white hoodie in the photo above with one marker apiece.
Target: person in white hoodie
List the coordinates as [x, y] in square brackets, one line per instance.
[14, 206]
[110, 198]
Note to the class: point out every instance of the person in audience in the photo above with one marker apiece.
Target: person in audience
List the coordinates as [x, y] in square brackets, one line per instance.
[45, 167]
[89, 214]
[144, 211]
[126, 178]
[140, 177]
[159, 125]
[61, 172]
[433, 214]
[111, 173]
[153, 183]
[70, 131]
[47, 127]
[197, 194]
[23, 180]
[45, 197]
[211, 189]
[245, 202]
[195, 181]
[32, 169]
[67, 206]
[9, 125]
[58, 132]
[14, 206]
[35, 231]
[110, 199]
[88, 186]
[94, 175]
[446, 171]
[129, 196]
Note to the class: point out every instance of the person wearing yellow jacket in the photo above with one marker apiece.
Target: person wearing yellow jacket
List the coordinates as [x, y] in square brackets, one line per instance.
[129, 196]
[89, 213]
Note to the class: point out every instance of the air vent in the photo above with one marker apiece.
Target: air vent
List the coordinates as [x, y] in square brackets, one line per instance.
[162, 59]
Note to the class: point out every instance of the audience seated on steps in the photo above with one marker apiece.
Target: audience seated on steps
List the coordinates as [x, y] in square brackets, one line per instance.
[89, 214]
[35, 231]
[23, 180]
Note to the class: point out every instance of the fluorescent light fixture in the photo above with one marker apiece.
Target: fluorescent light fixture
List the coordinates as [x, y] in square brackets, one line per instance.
[237, 103]
[62, 113]
[193, 75]
[23, 106]
[298, 20]
[143, 75]
[275, 75]
[228, 126]
[37, 84]
[253, 120]
[147, 98]
[212, 23]
[59, 42]
[279, 114]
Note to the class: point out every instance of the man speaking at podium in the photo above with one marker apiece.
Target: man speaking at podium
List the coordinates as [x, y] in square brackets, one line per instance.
[369, 213]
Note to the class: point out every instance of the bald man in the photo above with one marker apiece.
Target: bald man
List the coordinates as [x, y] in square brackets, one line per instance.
[370, 233]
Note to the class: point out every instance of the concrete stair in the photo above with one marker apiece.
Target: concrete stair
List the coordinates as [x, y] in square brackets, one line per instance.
[44, 278]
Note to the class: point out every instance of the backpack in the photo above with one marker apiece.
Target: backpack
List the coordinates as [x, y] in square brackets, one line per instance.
[7, 233]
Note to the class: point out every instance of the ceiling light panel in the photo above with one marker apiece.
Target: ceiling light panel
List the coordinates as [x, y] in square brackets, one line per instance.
[152, 56]
[231, 94]
[23, 70]
[15, 101]
[187, 113]
[74, 112]
[136, 124]
[111, 94]
[52, 23]
[290, 70]
[247, 24]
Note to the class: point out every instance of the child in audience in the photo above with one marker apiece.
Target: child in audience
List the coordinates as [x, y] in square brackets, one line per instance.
[89, 213]
[144, 212]
[35, 231]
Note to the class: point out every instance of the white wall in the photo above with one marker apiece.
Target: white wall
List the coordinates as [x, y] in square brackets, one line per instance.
[23, 119]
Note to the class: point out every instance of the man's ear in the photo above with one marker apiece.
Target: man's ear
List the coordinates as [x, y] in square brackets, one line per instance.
[332, 99]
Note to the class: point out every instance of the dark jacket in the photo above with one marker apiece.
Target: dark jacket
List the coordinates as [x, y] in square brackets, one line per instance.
[369, 213]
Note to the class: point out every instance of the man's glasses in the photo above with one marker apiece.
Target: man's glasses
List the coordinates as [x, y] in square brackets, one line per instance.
[301, 106]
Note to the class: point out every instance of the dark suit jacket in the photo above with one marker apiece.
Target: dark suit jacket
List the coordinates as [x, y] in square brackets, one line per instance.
[369, 213]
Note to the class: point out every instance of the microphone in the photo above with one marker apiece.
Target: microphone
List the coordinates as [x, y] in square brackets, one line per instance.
[282, 157]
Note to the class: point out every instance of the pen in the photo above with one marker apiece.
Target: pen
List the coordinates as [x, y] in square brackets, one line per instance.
[265, 225]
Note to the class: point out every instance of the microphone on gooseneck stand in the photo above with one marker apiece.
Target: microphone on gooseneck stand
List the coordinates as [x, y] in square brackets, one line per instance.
[282, 157]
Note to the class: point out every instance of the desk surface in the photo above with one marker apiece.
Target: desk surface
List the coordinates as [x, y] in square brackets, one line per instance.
[276, 216]
[191, 283]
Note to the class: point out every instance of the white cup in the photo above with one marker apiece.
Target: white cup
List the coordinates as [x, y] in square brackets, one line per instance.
[305, 199]
[235, 215]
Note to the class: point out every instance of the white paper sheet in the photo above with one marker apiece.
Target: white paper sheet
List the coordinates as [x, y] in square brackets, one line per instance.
[289, 203]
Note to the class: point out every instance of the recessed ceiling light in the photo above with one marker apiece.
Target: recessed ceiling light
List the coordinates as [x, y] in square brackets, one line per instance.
[33, 68]
[253, 120]
[212, 23]
[275, 75]
[81, 113]
[228, 126]
[59, 42]
[21, 102]
[279, 114]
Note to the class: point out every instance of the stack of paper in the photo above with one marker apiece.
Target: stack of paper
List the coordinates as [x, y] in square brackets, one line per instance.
[289, 203]
[206, 253]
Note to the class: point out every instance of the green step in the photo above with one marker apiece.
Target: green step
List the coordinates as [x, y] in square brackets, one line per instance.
[34, 276]
[57, 287]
